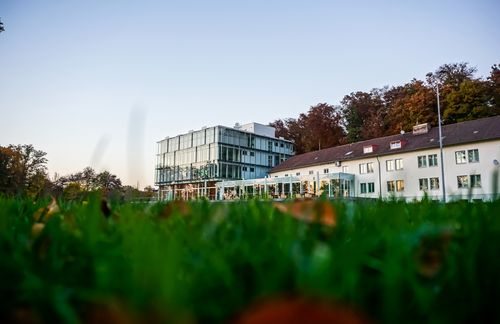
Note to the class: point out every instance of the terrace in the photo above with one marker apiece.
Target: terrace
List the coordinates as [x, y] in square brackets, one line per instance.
[331, 184]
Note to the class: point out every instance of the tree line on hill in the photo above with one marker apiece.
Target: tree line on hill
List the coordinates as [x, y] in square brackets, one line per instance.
[389, 110]
[23, 173]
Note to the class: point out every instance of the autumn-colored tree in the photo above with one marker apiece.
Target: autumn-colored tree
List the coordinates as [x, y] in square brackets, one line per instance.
[319, 128]
[23, 170]
[494, 84]
[322, 127]
[292, 130]
[408, 105]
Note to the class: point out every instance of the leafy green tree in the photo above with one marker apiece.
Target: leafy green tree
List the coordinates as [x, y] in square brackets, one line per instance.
[451, 75]
[471, 101]
[363, 115]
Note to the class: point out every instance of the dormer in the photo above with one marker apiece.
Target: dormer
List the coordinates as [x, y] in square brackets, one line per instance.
[394, 145]
[369, 149]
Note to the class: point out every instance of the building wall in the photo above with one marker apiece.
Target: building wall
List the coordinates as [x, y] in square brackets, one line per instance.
[411, 173]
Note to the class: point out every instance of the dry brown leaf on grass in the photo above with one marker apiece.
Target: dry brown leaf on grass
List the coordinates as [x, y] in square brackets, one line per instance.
[431, 253]
[175, 206]
[300, 310]
[310, 211]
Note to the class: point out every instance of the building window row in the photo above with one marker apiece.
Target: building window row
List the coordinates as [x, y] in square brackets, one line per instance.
[423, 183]
[367, 187]
[392, 165]
[395, 185]
[366, 168]
[427, 160]
[463, 181]
[472, 156]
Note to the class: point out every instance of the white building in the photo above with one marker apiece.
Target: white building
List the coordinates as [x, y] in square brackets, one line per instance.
[404, 165]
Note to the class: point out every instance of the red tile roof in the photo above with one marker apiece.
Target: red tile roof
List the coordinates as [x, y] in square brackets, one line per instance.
[466, 132]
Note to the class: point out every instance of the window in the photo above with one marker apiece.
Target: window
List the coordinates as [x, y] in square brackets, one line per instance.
[399, 164]
[422, 161]
[270, 160]
[276, 144]
[389, 164]
[423, 184]
[270, 146]
[433, 160]
[286, 174]
[252, 169]
[297, 174]
[400, 185]
[395, 145]
[460, 157]
[252, 153]
[345, 169]
[311, 172]
[434, 183]
[368, 149]
[366, 168]
[371, 187]
[363, 188]
[325, 170]
[244, 152]
[244, 168]
[475, 181]
[390, 186]
[463, 181]
[473, 155]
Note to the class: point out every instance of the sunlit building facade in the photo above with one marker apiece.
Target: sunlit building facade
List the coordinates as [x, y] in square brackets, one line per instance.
[189, 165]
[405, 166]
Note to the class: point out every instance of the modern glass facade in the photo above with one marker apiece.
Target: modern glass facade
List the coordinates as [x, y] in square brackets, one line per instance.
[217, 153]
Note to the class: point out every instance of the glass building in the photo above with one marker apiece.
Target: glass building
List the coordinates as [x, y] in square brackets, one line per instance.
[189, 165]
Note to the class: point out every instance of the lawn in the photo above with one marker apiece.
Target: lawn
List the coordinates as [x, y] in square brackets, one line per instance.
[199, 262]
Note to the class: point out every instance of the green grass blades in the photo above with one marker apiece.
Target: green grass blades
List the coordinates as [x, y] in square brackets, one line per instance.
[189, 262]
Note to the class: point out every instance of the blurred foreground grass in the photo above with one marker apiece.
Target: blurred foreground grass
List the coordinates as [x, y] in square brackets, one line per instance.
[392, 261]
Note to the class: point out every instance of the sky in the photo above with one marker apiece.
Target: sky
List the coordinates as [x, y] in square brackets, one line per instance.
[98, 83]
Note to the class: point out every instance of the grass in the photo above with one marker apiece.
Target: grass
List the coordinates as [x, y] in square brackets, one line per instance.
[208, 262]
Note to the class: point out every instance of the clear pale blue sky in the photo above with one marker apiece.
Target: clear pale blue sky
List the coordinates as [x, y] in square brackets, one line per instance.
[99, 82]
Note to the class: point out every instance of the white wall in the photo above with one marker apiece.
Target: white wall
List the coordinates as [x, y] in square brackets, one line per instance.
[411, 173]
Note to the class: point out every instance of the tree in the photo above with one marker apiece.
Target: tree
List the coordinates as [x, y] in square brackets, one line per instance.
[107, 182]
[363, 115]
[319, 128]
[494, 84]
[1, 27]
[322, 127]
[76, 185]
[472, 100]
[408, 105]
[23, 170]
[451, 75]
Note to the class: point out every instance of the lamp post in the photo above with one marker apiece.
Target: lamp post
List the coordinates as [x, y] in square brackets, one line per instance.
[441, 145]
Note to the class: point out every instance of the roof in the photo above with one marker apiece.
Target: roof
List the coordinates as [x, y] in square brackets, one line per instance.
[459, 133]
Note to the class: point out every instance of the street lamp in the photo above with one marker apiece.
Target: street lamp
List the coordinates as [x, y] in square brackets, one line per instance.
[441, 144]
